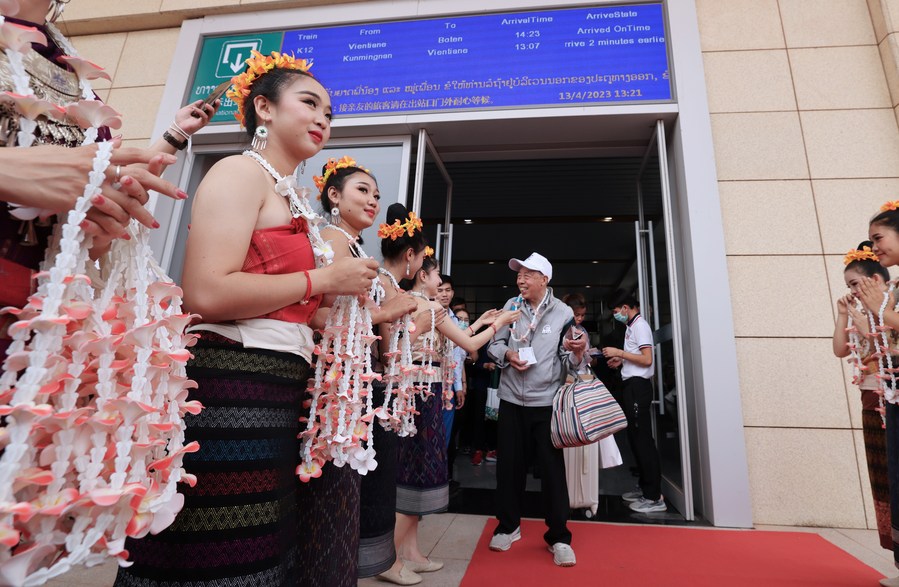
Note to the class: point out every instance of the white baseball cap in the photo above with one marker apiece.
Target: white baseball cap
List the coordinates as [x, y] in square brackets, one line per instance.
[535, 262]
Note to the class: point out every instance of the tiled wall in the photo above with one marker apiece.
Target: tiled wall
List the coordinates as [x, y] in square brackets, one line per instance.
[807, 148]
[804, 96]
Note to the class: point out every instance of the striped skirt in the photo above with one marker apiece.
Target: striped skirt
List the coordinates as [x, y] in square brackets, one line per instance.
[241, 523]
[422, 480]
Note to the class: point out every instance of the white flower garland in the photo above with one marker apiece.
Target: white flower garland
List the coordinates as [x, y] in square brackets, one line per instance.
[94, 391]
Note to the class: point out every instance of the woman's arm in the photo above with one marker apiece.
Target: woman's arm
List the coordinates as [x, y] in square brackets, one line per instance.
[840, 336]
[225, 212]
[470, 344]
[187, 122]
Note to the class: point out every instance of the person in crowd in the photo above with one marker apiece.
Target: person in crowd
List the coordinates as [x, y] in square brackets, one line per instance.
[422, 478]
[250, 271]
[532, 353]
[635, 362]
[458, 304]
[445, 293]
[850, 339]
[883, 232]
[403, 254]
[483, 430]
[51, 175]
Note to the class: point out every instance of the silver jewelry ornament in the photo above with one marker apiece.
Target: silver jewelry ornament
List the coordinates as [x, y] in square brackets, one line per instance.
[260, 138]
[303, 167]
[56, 9]
[335, 215]
[408, 269]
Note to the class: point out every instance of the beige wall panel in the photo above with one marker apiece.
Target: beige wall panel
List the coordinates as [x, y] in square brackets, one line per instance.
[138, 107]
[851, 143]
[889, 55]
[765, 304]
[739, 24]
[103, 94]
[191, 6]
[765, 145]
[104, 9]
[835, 78]
[846, 205]
[791, 383]
[878, 18]
[826, 23]
[864, 479]
[146, 58]
[804, 477]
[769, 218]
[748, 81]
[104, 50]
[891, 14]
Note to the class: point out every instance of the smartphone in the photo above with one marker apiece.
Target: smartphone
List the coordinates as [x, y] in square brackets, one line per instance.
[575, 333]
[217, 93]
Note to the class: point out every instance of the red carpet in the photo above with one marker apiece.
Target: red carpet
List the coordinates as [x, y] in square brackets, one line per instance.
[667, 556]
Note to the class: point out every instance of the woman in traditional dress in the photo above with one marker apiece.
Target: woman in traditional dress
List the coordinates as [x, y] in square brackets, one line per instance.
[422, 476]
[883, 231]
[250, 271]
[51, 175]
[850, 339]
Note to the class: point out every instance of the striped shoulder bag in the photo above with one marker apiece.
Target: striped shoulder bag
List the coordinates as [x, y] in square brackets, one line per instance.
[584, 412]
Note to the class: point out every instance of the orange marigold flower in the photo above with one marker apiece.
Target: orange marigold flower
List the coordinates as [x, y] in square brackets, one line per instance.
[890, 206]
[863, 254]
[258, 65]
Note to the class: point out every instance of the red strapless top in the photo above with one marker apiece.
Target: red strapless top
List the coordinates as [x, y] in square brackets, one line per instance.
[278, 250]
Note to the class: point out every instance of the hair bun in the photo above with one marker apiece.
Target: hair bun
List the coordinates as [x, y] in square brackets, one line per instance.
[396, 212]
[863, 244]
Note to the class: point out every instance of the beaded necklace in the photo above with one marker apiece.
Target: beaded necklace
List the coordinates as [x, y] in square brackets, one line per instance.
[398, 410]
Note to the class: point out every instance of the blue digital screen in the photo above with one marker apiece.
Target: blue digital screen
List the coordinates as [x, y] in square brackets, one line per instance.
[609, 54]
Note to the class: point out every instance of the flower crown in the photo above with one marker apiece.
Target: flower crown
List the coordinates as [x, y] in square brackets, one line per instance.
[331, 168]
[396, 230]
[257, 66]
[863, 254]
[890, 206]
[429, 252]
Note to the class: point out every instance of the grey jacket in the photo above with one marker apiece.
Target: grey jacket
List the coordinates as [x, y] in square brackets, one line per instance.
[536, 385]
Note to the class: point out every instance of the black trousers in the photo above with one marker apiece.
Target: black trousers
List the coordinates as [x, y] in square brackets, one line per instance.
[523, 435]
[637, 406]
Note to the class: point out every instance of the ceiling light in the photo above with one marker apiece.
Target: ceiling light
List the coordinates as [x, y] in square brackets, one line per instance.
[587, 286]
[468, 221]
[608, 219]
[596, 262]
[491, 262]
[505, 286]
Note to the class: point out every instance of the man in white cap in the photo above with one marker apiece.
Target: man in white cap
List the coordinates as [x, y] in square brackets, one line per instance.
[531, 354]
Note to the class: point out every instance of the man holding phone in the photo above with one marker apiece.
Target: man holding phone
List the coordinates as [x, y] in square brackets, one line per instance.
[532, 354]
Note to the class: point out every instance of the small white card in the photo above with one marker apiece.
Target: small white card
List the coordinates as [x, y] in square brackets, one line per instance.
[526, 354]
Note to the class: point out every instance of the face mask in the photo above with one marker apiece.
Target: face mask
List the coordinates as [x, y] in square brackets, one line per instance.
[620, 317]
[463, 324]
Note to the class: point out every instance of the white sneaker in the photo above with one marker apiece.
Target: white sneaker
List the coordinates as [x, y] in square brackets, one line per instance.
[563, 555]
[503, 542]
[634, 495]
[645, 506]
[890, 581]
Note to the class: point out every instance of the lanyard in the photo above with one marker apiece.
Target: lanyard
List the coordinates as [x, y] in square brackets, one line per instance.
[534, 319]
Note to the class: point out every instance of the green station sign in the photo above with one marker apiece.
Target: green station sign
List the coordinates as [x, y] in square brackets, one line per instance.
[224, 57]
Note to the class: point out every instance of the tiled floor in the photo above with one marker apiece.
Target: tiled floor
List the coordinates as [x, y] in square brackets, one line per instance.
[452, 538]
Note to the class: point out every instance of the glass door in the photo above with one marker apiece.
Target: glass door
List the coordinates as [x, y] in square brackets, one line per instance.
[657, 276]
[387, 157]
[432, 199]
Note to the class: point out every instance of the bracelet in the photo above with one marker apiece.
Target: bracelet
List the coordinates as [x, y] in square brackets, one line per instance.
[308, 293]
[173, 141]
[180, 130]
[471, 330]
[494, 329]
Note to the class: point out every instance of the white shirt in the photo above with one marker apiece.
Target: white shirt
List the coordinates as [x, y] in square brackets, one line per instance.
[637, 336]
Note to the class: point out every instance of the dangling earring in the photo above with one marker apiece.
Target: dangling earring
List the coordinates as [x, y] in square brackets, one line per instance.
[335, 215]
[408, 269]
[260, 137]
[56, 9]
[303, 167]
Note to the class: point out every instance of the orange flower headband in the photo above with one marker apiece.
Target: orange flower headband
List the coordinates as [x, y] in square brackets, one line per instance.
[331, 167]
[890, 206]
[429, 252]
[863, 254]
[257, 66]
[396, 230]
